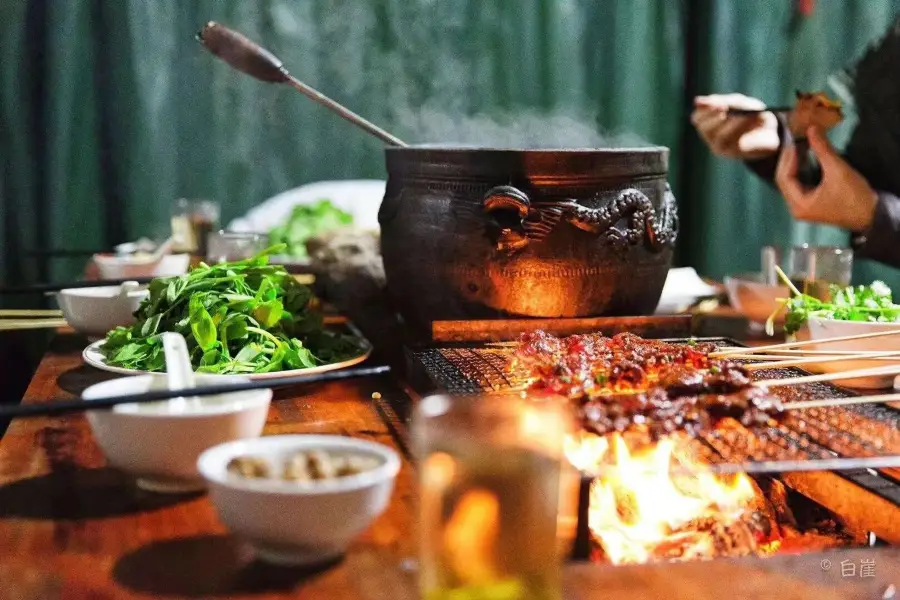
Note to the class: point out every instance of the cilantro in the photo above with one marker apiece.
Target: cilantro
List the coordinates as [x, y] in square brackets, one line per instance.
[870, 303]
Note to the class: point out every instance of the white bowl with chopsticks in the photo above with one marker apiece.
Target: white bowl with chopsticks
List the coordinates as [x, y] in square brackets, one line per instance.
[821, 329]
[752, 297]
[94, 311]
[159, 442]
[297, 523]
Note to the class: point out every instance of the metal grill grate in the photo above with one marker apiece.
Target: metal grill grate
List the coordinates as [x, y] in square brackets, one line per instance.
[857, 432]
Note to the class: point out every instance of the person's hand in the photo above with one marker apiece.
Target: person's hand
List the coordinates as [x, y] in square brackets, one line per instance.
[843, 198]
[747, 137]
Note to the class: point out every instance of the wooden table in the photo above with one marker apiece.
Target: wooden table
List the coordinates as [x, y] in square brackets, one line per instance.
[71, 527]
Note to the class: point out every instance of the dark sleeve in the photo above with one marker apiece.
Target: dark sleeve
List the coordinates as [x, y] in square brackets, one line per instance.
[764, 168]
[882, 240]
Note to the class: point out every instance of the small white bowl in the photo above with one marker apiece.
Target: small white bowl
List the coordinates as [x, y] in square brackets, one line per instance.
[123, 267]
[754, 299]
[94, 311]
[817, 329]
[299, 524]
[158, 442]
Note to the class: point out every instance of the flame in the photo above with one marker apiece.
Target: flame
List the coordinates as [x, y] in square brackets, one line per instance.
[641, 506]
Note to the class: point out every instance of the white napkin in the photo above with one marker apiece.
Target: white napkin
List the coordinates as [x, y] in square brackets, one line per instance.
[682, 289]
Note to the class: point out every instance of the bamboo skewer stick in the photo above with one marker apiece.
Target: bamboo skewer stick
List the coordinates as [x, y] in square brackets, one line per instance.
[844, 338]
[851, 374]
[799, 362]
[773, 357]
[827, 402]
[798, 353]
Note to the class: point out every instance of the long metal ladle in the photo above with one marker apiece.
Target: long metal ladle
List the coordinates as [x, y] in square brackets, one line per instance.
[254, 60]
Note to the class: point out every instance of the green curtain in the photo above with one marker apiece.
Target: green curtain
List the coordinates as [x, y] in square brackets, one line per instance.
[110, 110]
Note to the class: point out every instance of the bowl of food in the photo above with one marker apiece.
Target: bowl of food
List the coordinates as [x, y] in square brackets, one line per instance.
[116, 266]
[299, 499]
[95, 310]
[850, 311]
[754, 298]
[159, 442]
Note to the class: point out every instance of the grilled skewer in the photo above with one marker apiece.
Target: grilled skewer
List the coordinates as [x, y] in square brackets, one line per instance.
[626, 383]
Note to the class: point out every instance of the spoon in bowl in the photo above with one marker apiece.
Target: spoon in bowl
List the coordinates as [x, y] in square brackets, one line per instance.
[179, 372]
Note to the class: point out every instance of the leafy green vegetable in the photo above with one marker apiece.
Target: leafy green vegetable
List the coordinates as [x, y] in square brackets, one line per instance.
[240, 317]
[307, 221]
[871, 303]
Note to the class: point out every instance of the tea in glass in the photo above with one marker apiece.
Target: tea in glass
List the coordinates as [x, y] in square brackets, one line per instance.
[495, 493]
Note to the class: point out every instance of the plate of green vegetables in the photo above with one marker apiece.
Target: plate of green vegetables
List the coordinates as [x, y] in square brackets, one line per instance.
[306, 221]
[248, 318]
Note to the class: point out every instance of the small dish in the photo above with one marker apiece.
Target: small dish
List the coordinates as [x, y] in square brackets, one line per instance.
[756, 300]
[819, 329]
[290, 523]
[159, 442]
[93, 311]
[113, 266]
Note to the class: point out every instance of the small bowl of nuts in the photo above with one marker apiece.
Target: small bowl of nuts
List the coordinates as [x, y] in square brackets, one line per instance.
[299, 499]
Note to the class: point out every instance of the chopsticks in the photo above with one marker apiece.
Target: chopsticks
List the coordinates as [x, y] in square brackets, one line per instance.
[23, 324]
[17, 319]
[43, 288]
[844, 338]
[49, 288]
[28, 313]
[756, 111]
[65, 406]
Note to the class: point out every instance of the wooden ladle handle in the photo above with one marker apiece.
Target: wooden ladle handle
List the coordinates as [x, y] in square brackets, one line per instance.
[242, 53]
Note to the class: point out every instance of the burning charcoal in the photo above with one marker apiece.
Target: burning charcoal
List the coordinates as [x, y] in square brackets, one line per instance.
[778, 498]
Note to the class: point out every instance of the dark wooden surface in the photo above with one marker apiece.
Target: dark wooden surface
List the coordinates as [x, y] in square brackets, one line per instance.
[70, 527]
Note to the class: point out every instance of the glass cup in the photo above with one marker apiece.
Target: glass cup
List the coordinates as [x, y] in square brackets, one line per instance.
[498, 499]
[192, 222]
[225, 246]
[814, 269]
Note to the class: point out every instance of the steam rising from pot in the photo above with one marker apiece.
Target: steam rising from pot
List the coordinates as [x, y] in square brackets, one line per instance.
[523, 129]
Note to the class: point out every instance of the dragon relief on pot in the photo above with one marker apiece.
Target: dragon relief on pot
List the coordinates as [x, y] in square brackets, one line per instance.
[627, 220]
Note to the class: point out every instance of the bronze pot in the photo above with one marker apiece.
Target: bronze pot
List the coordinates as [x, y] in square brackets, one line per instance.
[472, 233]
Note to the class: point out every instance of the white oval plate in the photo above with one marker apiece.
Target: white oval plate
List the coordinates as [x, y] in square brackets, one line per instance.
[95, 358]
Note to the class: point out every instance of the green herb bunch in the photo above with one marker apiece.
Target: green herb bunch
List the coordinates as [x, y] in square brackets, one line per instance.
[307, 221]
[872, 303]
[240, 317]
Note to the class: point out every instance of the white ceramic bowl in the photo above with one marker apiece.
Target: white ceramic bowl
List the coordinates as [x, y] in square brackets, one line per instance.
[123, 267]
[289, 523]
[160, 444]
[817, 329]
[94, 311]
[754, 299]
